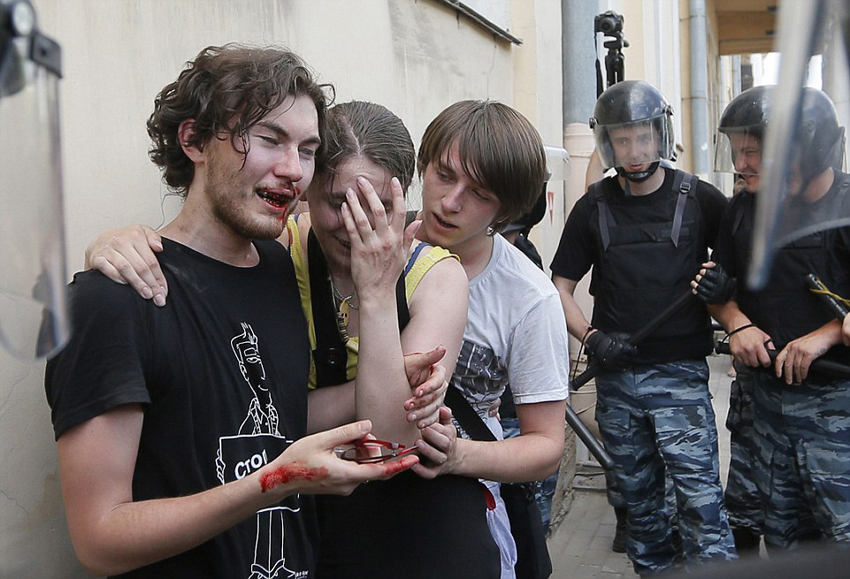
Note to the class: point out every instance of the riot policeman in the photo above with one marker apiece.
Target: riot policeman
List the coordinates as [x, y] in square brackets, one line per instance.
[645, 231]
[741, 129]
[801, 440]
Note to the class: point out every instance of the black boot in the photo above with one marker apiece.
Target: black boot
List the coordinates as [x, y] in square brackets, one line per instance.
[619, 543]
[747, 541]
[676, 539]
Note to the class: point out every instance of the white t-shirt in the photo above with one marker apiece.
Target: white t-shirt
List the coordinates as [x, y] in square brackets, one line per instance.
[515, 334]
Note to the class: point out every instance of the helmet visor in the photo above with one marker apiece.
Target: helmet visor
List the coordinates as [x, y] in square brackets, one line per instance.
[634, 145]
[739, 151]
[557, 164]
[33, 322]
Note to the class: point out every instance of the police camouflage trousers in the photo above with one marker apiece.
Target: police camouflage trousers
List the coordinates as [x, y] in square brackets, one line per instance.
[655, 418]
[616, 499]
[742, 497]
[802, 445]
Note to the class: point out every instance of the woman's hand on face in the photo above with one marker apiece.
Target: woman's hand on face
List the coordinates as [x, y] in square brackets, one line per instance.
[380, 245]
[128, 256]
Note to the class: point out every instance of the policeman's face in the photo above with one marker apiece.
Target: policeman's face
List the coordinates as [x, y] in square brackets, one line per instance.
[635, 147]
[746, 156]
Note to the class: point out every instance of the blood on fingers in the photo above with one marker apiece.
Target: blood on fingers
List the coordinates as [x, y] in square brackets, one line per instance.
[289, 472]
[396, 466]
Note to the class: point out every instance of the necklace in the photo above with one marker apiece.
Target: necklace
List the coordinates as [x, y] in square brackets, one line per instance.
[343, 308]
[340, 299]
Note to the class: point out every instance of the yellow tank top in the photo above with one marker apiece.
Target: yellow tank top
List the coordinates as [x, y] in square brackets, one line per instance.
[424, 262]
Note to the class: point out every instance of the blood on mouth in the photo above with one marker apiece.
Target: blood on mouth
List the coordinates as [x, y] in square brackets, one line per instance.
[272, 198]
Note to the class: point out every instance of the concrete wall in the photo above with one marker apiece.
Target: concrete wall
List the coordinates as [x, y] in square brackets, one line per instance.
[716, 81]
[538, 88]
[414, 56]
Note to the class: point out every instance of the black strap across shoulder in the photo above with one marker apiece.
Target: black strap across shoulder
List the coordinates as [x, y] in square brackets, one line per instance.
[330, 356]
[605, 216]
[683, 182]
[739, 216]
[466, 416]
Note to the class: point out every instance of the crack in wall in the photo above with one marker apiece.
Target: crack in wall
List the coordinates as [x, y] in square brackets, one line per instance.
[12, 500]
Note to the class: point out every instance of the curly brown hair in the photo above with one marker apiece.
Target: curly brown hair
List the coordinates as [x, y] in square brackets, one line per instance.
[226, 90]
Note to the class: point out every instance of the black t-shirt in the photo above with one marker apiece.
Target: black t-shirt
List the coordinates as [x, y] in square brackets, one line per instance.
[785, 309]
[580, 249]
[221, 374]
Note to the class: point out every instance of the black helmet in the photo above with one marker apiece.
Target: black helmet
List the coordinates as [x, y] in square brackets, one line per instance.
[802, 140]
[818, 146]
[746, 115]
[748, 109]
[630, 104]
[820, 140]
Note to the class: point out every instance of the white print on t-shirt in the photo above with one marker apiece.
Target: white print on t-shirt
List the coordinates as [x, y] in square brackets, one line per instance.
[258, 441]
[262, 415]
[480, 375]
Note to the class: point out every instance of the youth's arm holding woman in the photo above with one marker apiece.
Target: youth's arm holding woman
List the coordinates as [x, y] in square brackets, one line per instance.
[538, 355]
[128, 256]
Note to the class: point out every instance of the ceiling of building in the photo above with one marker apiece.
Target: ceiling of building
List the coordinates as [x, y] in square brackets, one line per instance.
[745, 26]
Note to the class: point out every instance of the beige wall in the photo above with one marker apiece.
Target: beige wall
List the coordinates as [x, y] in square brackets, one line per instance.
[715, 88]
[414, 56]
[537, 91]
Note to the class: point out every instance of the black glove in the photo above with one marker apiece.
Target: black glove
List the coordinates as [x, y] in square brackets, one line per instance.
[716, 287]
[611, 351]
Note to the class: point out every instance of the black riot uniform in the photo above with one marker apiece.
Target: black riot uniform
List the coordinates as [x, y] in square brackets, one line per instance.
[801, 439]
[654, 410]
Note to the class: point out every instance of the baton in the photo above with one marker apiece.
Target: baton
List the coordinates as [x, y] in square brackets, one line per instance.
[817, 287]
[636, 338]
[828, 367]
[594, 446]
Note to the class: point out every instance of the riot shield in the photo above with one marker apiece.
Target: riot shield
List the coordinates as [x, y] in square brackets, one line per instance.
[802, 148]
[33, 319]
